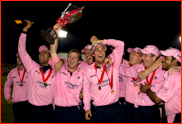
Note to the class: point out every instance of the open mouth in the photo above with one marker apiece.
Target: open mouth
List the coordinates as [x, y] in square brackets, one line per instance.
[71, 63]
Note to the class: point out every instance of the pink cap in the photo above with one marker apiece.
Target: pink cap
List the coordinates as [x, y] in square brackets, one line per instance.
[88, 47]
[94, 46]
[150, 49]
[17, 55]
[172, 52]
[43, 47]
[136, 49]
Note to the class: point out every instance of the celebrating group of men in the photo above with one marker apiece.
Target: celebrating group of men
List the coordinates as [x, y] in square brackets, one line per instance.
[109, 89]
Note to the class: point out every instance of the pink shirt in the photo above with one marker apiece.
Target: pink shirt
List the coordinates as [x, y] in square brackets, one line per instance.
[170, 93]
[121, 85]
[83, 64]
[67, 87]
[130, 90]
[90, 87]
[142, 99]
[20, 93]
[38, 94]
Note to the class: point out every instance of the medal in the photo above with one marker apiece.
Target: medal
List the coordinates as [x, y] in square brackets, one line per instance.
[135, 84]
[45, 84]
[112, 91]
[102, 75]
[43, 78]
[21, 79]
[99, 87]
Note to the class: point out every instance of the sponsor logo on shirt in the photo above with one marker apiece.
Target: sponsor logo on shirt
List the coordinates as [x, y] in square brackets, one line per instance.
[18, 83]
[104, 82]
[120, 79]
[78, 77]
[14, 77]
[26, 76]
[70, 85]
[155, 77]
[41, 84]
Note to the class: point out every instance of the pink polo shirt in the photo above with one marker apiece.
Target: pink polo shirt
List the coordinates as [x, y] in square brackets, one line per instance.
[83, 64]
[170, 93]
[121, 85]
[130, 89]
[142, 99]
[67, 87]
[38, 94]
[20, 93]
[90, 87]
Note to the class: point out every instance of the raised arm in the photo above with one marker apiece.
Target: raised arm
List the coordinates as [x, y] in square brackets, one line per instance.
[143, 74]
[26, 59]
[53, 47]
[118, 51]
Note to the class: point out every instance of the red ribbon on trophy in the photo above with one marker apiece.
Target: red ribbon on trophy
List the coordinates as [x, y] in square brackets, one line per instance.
[70, 15]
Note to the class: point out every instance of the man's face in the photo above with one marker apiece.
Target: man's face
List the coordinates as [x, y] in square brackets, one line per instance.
[148, 60]
[18, 60]
[73, 60]
[44, 57]
[99, 54]
[167, 62]
[135, 58]
[88, 56]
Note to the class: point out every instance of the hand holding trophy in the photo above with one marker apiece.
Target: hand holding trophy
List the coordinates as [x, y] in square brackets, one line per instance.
[70, 15]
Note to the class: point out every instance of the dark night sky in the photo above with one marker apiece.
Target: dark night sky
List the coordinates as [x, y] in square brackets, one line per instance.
[136, 23]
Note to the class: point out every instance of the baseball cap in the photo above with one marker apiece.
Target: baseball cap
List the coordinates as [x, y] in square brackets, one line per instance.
[94, 46]
[172, 52]
[136, 49]
[88, 47]
[43, 47]
[150, 49]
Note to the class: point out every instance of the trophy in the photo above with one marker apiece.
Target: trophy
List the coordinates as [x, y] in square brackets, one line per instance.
[70, 15]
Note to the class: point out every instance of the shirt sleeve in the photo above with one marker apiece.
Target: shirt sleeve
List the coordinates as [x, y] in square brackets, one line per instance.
[28, 63]
[169, 88]
[130, 71]
[51, 63]
[117, 54]
[7, 86]
[86, 92]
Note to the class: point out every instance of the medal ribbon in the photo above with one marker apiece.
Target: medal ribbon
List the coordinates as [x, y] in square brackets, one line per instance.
[43, 78]
[110, 82]
[149, 83]
[134, 79]
[102, 75]
[21, 79]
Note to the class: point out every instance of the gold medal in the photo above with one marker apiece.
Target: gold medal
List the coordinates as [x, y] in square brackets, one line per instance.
[45, 84]
[112, 91]
[135, 84]
[99, 87]
[21, 85]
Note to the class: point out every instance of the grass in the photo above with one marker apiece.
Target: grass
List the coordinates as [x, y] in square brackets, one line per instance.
[7, 115]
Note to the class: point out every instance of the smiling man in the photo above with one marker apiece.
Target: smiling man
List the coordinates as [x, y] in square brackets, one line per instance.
[170, 91]
[142, 103]
[68, 84]
[40, 82]
[102, 83]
